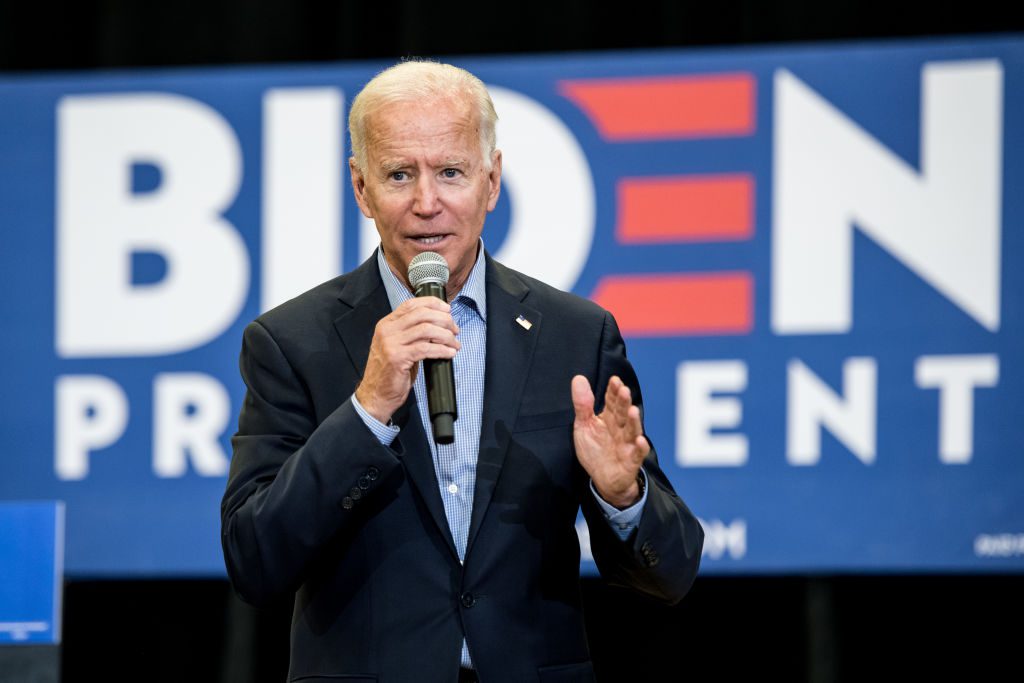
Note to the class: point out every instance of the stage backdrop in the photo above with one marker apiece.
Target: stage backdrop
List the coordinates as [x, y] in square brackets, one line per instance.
[811, 252]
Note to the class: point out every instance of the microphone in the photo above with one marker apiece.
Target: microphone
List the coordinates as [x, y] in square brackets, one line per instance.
[428, 275]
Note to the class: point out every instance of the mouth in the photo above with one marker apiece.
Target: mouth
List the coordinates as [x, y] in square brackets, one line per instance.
[429, 240]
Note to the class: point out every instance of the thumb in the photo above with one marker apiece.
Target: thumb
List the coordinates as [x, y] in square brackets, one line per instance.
[582, 398]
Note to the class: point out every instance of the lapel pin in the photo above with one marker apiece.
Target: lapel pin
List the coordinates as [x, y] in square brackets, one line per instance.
[526, 324]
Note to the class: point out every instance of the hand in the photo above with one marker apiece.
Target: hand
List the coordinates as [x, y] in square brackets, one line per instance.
[611, 446]
[419, 328]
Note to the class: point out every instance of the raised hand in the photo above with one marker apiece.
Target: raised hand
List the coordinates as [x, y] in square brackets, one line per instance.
[611, 446]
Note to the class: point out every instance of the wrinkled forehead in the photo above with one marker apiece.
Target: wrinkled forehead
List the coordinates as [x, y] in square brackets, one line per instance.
[424, 116]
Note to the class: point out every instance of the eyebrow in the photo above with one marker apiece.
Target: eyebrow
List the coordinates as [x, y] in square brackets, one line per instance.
[389, 166]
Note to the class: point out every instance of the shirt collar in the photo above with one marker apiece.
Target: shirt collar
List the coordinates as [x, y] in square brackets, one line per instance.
[474, 291]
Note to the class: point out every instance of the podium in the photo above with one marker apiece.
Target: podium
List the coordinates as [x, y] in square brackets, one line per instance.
[31, 590]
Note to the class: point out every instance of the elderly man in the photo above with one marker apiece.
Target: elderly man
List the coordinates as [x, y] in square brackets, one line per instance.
[412, 560]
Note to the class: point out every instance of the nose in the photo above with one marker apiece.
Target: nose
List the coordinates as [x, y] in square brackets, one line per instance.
[426, 202]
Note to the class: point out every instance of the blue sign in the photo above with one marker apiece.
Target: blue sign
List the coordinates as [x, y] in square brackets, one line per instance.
[31, 572]
[809, 250]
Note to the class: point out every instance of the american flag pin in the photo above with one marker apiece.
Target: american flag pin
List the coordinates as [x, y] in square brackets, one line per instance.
[524, 322]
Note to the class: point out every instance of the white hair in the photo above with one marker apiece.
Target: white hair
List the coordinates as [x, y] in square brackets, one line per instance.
[421, 80]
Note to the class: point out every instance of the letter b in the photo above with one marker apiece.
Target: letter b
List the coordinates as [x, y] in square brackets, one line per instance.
[101, 222]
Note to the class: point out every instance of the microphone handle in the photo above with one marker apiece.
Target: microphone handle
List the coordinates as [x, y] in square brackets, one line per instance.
[440, 379]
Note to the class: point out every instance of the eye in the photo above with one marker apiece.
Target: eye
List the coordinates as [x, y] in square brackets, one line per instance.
[451, 173]
[398, 175]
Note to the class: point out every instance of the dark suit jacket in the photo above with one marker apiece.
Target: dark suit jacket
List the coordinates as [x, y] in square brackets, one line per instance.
[315, 505]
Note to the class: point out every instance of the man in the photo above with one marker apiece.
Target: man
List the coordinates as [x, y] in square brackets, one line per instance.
[411, 560]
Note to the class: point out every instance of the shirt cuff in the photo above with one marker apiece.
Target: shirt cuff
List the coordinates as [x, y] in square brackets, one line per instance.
[623, 522]
[385, 433]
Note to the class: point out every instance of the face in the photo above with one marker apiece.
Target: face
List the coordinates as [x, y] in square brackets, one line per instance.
[426, 185]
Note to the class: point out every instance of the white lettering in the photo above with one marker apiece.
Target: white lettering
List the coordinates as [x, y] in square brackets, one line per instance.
[721, 538]
[956, 378]
[190, 413]
[942, 223]
[101, 223]
[92, 412]
[999, 545]
[303, 149]
[699, 412]
[811, 405]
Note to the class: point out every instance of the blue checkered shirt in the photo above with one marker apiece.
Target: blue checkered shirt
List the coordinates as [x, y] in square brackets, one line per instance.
[455, 463]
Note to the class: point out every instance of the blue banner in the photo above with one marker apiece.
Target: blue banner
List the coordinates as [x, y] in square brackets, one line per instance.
[809, 250]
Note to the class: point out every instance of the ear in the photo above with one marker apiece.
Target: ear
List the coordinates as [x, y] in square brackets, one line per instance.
[494, 180]
[359, 187]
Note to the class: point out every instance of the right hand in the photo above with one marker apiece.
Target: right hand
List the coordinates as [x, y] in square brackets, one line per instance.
[419, 328]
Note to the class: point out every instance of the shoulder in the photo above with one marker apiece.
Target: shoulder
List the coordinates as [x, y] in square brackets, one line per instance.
[544, 297]
[318, 307]
[298, 313]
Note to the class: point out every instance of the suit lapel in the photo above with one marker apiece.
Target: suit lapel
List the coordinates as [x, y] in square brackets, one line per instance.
[367, 298]
[418, 461]
[510, 348]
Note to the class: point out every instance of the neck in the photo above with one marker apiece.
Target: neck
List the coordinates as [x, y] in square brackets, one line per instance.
[452, 289]
[455, 283]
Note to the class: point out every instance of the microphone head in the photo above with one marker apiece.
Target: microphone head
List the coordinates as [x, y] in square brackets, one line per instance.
[427, 267]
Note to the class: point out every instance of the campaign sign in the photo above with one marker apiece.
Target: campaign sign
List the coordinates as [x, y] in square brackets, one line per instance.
[31, 572]
[810, 252]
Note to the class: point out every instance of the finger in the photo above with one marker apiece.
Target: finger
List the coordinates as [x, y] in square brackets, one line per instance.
[625, 400]
[417, 316]
[617, 401]
[609, 413]
[634, 427]
[431, 333]
[425, 325]
[401, 354]
[415, 311]
[430, 350]
[616, 387]
[425, 349]
[610, 394]
[421, 302]
[582, 398]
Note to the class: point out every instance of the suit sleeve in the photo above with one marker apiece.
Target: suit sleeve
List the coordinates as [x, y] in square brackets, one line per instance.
[294, 484]
[662, 557]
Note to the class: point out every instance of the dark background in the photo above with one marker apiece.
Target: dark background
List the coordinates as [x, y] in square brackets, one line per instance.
[42, 34]
[791, 628]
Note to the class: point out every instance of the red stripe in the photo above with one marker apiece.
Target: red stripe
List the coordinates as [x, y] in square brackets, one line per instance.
[679, 305]
[667, 107]
[685, 209]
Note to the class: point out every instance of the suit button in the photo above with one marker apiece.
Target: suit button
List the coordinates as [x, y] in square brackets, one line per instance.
[372, 472]
[468, 600]
[347, 503]
[651, 558]
[364, 482]
[356, 493]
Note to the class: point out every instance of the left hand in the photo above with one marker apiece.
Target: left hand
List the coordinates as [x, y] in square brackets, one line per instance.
[611, 446]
